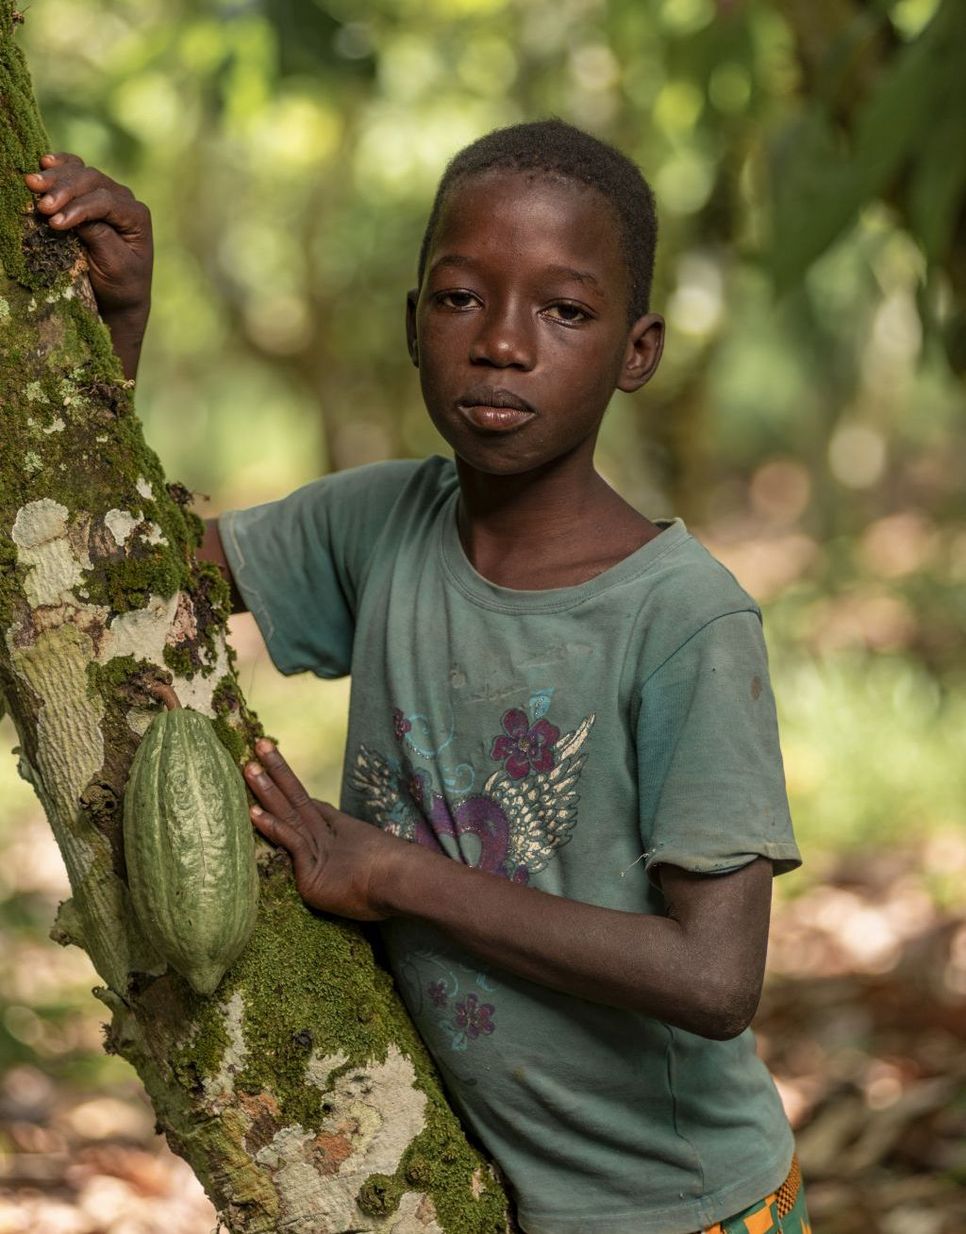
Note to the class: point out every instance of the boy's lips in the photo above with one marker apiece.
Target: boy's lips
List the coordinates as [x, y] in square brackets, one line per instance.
[494, 409]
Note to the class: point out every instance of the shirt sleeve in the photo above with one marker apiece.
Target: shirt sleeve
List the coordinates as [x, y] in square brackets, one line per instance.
[300, 563]
[712, 785]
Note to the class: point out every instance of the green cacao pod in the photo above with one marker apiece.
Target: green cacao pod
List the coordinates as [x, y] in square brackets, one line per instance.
[189, 847]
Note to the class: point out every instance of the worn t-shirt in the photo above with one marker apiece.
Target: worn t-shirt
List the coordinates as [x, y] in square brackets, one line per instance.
[567, 739]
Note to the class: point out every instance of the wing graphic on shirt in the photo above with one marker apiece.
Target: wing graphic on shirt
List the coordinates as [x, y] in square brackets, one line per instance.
[388, 804]
[542, 808]
[511, 827]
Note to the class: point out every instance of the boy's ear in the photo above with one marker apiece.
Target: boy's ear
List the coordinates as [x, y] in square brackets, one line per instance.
[645, 343]
[411, 298]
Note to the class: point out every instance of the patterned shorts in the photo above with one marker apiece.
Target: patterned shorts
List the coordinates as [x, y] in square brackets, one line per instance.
[782, 1212]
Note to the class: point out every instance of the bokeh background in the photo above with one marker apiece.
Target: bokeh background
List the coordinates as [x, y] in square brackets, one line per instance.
[810, 169]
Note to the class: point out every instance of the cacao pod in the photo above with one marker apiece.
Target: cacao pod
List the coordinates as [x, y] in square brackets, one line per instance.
[189, 846]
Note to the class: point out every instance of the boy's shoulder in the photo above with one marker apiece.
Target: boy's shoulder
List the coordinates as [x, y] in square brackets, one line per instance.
[691, 578]
[686, 589]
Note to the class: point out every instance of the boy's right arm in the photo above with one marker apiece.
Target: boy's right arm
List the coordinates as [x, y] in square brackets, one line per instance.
[115, 229]
[212, 549]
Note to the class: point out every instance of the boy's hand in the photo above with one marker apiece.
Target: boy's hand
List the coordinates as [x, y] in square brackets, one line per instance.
[115, 229]
[339, 861]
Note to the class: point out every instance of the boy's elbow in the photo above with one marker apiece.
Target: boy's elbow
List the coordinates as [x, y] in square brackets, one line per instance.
[724, 1011]
[726, 1026]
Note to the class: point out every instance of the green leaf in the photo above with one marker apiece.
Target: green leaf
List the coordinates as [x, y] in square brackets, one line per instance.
[937, 190]
[813, 195]
[820, 187]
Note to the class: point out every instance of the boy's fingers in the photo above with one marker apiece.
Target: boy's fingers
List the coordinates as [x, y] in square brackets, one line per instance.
[65, 186]
[54, 167]
[57, 160]
[279, 832]
[282, 774]
[271, 794]
[128, 218]
[88, 207]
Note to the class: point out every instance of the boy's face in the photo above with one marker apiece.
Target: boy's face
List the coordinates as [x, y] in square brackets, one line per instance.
[520, 326]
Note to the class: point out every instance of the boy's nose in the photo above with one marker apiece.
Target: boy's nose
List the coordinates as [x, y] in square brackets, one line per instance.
[504, 341]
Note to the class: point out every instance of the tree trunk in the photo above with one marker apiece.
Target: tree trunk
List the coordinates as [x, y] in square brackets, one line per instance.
[299, 1092]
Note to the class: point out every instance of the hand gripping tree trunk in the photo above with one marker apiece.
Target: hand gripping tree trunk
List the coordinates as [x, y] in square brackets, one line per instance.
[299, 1091]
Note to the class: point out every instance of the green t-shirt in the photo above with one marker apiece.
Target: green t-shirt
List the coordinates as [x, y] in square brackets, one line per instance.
[568, 739]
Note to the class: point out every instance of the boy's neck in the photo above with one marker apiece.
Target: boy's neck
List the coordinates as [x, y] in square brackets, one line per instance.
[557, 527]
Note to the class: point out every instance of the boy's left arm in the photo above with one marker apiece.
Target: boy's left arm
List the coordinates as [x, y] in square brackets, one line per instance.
[700, 967]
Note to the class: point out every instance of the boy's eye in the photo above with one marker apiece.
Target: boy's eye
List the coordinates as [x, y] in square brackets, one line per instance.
[455, 299]
[572, 314]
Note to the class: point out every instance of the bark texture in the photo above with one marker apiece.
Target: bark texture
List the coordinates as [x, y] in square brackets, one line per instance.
[299, 1092]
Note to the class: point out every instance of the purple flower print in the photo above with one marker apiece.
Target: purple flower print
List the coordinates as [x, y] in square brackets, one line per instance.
[437, 993]
[475, 1017]
[523, 749]
[400, 724]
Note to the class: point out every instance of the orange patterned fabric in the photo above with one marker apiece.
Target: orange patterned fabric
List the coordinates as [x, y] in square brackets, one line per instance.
[787, 1193]
[782, 1212]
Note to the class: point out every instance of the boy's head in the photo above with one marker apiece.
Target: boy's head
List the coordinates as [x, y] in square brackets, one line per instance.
[531, 308]
[557, 150]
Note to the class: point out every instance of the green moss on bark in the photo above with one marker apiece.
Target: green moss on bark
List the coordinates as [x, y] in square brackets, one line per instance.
[440, 1162]
[304, 987]
[87, 333]
[380, 1194]
[307, 988]
[130, 582]
[198, 651]
[11, 580]
[237, 727]
[22, 142]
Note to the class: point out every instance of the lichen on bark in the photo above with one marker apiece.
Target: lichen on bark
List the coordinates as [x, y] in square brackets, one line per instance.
[299, 1092]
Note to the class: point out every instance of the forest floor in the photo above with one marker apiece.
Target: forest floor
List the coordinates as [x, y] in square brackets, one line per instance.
[863, 1024]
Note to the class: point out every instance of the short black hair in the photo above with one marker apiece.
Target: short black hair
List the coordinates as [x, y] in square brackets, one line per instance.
[554, 148]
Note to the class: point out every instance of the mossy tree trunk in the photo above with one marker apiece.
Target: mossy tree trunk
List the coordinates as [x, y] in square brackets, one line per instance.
[299, 1092]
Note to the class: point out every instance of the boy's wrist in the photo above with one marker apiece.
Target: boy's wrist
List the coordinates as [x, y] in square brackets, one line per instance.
[127, 327]
[129, 321]
[398, 876]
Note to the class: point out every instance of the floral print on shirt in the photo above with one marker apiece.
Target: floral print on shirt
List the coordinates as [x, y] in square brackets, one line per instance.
[524, 811]
[513, 825]
[523, 747]
[436, 988]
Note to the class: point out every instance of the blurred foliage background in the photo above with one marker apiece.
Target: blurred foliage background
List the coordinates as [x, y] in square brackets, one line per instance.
[810, 170]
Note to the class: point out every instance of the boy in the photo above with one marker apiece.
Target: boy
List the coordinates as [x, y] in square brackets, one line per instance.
[562, 705]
